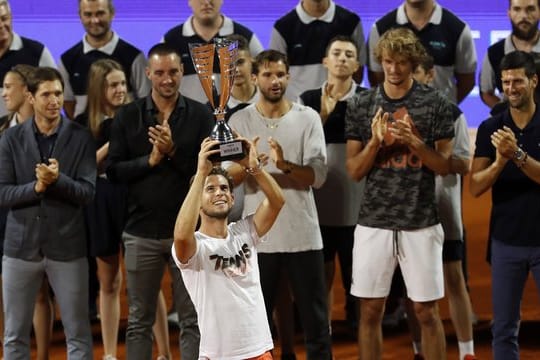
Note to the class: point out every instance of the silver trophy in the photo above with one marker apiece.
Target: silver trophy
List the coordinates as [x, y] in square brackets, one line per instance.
[202, 56]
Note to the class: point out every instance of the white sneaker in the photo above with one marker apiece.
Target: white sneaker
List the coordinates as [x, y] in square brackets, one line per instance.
[109, 357]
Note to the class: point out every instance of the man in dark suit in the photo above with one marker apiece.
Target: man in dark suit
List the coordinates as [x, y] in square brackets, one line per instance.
[157, 175]
[48, 174]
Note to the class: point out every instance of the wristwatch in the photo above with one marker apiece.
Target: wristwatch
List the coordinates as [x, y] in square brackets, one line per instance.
[519, 154]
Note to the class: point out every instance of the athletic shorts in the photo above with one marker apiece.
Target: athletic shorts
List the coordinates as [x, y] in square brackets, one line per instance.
[377, 252]
[265, 356]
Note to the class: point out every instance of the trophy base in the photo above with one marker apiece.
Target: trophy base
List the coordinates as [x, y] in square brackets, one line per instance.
[231, 150]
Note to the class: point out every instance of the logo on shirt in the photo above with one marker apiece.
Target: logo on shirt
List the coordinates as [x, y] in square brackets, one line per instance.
[235, 265]
[395, 154]
[437, 45]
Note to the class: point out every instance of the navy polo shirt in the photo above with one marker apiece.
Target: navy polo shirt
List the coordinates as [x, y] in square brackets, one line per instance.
[515, 212]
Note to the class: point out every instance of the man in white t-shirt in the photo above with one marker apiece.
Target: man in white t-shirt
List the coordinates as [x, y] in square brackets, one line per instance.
[219, 261]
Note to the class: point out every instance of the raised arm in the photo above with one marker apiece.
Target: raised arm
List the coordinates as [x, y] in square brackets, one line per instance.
[269, 209]
[186, 221]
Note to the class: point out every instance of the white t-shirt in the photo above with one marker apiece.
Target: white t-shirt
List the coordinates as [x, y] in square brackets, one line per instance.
[222, 279]
[301, 136]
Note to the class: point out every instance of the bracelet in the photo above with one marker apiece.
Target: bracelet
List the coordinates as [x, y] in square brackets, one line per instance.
[522, 162]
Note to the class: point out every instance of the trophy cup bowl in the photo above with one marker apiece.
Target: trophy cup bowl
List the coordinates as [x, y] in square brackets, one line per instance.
[202, 56]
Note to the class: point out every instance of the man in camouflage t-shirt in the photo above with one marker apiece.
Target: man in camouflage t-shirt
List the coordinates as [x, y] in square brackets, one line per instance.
[399, 135]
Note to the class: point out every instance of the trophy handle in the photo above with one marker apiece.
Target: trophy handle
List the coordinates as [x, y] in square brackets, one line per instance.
[228, 55]
[202, 56]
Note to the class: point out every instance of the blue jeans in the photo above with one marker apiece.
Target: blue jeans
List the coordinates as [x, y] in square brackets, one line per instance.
[510, 266]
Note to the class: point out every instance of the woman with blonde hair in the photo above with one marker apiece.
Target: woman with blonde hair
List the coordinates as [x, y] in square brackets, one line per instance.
[107, 92]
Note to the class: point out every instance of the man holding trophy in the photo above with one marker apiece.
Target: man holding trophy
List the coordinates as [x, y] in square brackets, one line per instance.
[154, 148]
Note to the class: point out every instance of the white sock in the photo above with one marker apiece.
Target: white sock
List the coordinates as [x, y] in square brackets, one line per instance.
[417, 347]
[465, 347]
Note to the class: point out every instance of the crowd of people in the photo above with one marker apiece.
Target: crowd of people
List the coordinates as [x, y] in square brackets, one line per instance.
[106, 157]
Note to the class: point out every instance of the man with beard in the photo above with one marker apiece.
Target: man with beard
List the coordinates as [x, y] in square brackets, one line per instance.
[15, 49]
[153, 150]
[295, 144]
[99, 42]
[505, 161]
[219, 261]
[203, 26]
[524, 16]
[399, 136]
[446, 38]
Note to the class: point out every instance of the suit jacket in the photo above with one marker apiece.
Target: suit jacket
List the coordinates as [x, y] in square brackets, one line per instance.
[4, 123]
[49, 224]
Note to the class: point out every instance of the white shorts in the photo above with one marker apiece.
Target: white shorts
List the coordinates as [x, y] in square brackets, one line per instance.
[377, 252]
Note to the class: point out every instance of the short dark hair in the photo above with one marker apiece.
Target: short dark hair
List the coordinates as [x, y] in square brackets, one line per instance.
[343, 38]
[110, 3]
[427, 62]
[163, 49]
[510, 3]
[268, 56]
[218, 170]
[519, 60]
[42, 74]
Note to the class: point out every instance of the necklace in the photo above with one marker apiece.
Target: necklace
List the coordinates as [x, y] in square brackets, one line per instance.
[271, 125]
[273, 122]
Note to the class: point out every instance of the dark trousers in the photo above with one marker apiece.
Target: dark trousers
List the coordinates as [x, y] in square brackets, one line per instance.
[145, 264]
[510, 266]
[305, 272]
[339, 240]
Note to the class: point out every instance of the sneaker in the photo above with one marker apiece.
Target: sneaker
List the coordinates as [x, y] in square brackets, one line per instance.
[109, 357]
[469, 357]
[162, 357]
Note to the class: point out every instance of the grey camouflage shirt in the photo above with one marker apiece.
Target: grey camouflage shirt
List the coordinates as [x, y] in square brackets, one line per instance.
[400, 191]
